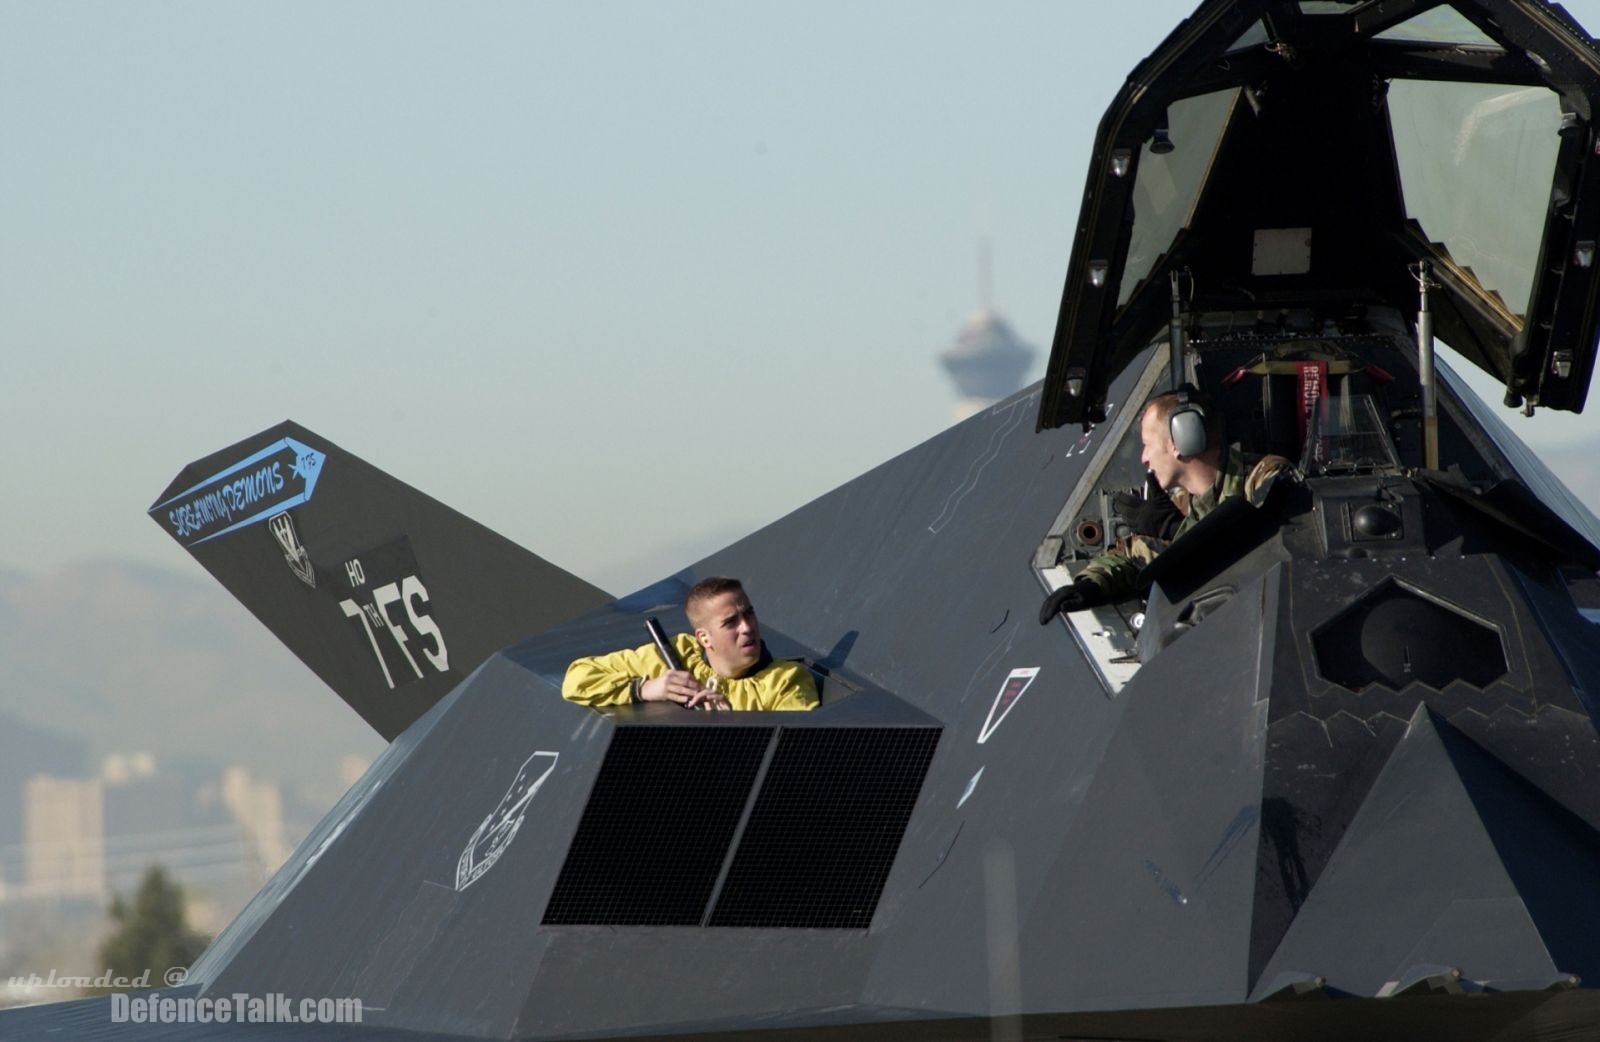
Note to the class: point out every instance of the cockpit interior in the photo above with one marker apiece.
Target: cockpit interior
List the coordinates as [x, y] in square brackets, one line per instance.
[1289, 200]
[1344, 402]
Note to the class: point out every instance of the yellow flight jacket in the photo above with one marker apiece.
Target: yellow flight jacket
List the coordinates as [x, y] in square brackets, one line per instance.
[604, 680]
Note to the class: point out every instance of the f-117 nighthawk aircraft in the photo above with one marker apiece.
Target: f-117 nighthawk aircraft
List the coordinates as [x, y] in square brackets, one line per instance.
[1330, 773]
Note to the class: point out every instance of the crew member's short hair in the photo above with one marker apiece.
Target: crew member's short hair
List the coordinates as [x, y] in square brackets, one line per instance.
[705, 590]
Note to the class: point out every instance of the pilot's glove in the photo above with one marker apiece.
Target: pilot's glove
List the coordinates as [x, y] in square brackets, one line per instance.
[1151, 514]
[1083, 593]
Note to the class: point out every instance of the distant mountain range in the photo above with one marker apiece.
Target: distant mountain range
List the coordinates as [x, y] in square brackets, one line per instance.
[121, 657]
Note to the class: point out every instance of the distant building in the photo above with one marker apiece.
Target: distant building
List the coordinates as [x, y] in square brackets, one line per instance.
[126, 768]
[25, 751]
[257, 809]
[64, 833]
[987, 362]
[351, 768]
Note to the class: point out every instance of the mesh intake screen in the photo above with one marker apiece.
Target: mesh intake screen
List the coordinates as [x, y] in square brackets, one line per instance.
[655, 832]
[825, 827]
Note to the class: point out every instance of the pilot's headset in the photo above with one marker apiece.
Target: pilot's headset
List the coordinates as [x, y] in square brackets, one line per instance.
[1187, 423]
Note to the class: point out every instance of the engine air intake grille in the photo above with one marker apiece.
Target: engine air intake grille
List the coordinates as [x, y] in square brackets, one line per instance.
[742, 826]
[825, 827]
[656, 830]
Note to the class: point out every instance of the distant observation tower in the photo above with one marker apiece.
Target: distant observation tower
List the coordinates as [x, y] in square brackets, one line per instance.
[987, 361]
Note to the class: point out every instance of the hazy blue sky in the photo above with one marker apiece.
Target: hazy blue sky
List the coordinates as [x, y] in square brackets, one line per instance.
[604, 276]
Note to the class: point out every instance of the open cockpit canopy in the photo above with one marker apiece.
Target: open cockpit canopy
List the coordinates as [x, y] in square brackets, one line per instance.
[1309, 153]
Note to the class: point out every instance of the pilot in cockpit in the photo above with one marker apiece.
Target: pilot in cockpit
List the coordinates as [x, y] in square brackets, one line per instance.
[1193, 470]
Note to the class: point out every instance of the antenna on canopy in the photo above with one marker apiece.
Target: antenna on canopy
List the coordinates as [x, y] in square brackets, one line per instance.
[1176, 341]
[1422, 271]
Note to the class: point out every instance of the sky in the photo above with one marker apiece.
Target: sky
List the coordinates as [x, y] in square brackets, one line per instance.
[607, 277]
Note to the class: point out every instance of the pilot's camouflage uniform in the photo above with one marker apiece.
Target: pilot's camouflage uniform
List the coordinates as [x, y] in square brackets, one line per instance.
[607, 680]
[1241, 473]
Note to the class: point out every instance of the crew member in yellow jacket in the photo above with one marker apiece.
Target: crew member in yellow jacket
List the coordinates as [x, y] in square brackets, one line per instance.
[726, 664]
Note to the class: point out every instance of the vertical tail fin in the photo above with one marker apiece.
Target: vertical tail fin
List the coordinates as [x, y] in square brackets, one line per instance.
[388, 595]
